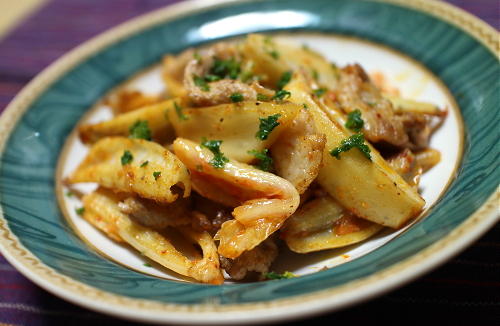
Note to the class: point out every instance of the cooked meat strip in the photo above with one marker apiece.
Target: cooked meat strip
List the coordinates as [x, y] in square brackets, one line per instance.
[258, 260]
[158, 216]
[356, 91]
[298, 152]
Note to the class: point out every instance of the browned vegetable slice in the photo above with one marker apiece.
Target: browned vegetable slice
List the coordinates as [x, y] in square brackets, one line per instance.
[323, 224]
[155, 115]
[119, 163]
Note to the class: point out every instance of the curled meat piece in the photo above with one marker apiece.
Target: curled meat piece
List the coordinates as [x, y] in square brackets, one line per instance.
[407, 166]
[155, 215]
[356, 91]
[419, 128]
[217, 91]
[263, 200]
[298, 152]
[209, 215]
[259, 259]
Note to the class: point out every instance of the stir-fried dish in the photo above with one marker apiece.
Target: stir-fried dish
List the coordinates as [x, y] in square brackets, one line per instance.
[256, 145]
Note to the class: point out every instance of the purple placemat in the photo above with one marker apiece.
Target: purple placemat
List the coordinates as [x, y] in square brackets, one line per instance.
[465, 291]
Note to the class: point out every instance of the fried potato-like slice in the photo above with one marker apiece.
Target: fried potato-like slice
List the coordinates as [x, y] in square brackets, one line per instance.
[274, 56]
[323, 224]
[155, 245]
[406, 105]
[236, 124]
[101, 210]
[264, 200]
[370, 189]
[127, 100]
[120, 164]
[155, 115]
[298, 152]
[428, 158]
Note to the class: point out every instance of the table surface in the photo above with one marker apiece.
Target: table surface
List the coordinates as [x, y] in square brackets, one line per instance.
[464, 291]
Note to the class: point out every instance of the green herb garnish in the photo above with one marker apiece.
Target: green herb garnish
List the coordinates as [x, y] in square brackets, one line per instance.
[180, 114]
[262, 97]
[211, 78]
[144, 164]
[214, 146]
[229, 68]
[279, 276]
[319, 92]
[274, 54]
[127, 157]
[267, 125]
[147, 265]
[69, 194]
[285, 79]
[80, 210]
[140, 130]
[265, 161]
[281, 95]
[354, 141]
[246, 76]
[197, 57]
[201, 83]
[236, 97]
[156, 174]
[354, 121]
[315, 74]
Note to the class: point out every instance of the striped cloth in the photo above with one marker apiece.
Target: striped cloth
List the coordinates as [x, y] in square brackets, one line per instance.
[465, 291]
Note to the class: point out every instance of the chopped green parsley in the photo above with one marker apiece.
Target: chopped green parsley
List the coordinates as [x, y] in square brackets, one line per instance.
[319, 92]
[80, 210]
[144, 164]
[262, 97]
[236, 97]
[354, 121]
[229, 68]
[219, 159]
[285, 79]
[354, 141]
[279, 276]
[267, 125]
[201, 83]
[315, 74]
[127, 157]
[265, 161]
[281, 95]
[180, 114]
[148, 265]
[140, 130]
[156, 174]
[211, 78]
[274, 54]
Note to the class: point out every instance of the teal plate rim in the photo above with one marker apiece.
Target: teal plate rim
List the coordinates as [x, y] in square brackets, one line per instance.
[35, 238]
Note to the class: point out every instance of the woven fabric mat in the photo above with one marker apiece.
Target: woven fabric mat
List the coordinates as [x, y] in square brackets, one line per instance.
[465, 291]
